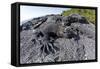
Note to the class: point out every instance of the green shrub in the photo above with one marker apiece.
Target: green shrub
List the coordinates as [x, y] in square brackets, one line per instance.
[88, 13]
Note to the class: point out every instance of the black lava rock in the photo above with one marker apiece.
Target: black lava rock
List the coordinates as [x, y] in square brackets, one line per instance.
[54, 38]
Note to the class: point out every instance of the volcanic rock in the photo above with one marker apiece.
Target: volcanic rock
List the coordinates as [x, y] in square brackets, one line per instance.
[56, 38]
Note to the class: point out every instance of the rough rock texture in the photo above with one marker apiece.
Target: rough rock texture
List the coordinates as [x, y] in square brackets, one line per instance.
[55, 38]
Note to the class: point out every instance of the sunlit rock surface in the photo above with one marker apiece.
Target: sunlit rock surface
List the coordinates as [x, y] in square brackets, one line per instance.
[56, 38]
